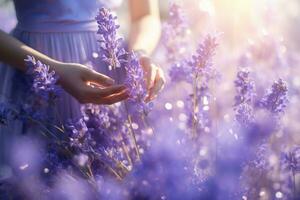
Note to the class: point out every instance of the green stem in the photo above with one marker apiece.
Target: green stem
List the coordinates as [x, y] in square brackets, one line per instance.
[132, 133]
[294, 184]
[195, 107]
[126, 153]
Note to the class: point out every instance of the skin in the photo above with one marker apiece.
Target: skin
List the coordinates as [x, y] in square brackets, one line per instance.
[144, 35]
[78, 80]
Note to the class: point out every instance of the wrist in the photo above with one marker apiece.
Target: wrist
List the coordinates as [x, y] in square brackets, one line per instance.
[141, 53]
[56, 66]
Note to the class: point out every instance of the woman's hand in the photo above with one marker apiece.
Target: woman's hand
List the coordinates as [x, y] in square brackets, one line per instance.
[154, 77]
[88, 86]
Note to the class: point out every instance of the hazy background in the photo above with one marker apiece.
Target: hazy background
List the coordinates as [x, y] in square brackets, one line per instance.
[239, 20]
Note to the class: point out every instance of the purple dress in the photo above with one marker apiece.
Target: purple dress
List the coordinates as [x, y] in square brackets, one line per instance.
[62, 29]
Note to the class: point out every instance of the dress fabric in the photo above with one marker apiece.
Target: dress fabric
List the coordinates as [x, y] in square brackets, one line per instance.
[62, 29]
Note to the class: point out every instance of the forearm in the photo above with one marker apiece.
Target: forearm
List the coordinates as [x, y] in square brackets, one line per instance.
[13, 52]
[145, 27]
[145, 34]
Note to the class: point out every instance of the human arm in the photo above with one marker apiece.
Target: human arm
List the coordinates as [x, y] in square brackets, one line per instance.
[145, 30]
[74, 78]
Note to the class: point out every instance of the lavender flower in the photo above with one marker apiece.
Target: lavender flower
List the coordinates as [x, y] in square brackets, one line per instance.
[165, 172]
[78, 129]
[174, 40]
[245, 92]
[245, 88]
[136, 84]
[115, 55]
[102, 134]
[276, 98]
[111, 47]
[291, 160]
[201, 62]
[181, 71]
[175, 34]
[177, 16]
[104, 123]
[43, 81]
[244, 115]
[117, 129]
[42, 84]
[202, 73]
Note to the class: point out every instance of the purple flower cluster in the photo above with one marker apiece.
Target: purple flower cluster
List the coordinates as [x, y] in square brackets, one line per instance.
[43, 85]
[181, 71]
[245, 93]
[174, 39]
[257, 127]
[116, 56]
[104, 135]
[78, 134]
[244, 115]
[201, 61]
[245, 88]
[177, 17]
[169, 177]
[198, 69]
[111, 47]
[43, 91]
[276, 98]
[43, 81]
[203, 72]
[291, 160]
[136, 84]
[174, 36]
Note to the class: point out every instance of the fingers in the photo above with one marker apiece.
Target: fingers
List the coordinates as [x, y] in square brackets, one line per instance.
[113, 98]
[149, 70]
[158, 85]
[151, 76]
[96, 93]
[99, 79]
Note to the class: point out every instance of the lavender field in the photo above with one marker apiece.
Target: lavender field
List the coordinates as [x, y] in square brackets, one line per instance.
[225, 127]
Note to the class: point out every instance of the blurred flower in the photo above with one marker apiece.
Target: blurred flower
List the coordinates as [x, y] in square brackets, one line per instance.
[201, 61]
[244, 115]
[181, 71]
[175, 32]
[199, 101]
[291, 159]
[245, 88]
[244, 98]
[276, 98]
[165, 172]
